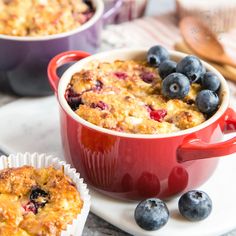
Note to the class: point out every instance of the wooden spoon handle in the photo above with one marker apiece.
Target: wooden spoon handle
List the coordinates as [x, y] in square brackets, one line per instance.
[228, 61]
[228, 72]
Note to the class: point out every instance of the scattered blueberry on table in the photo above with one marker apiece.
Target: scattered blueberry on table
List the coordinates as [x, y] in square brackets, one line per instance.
[195, 205]
[151, 214]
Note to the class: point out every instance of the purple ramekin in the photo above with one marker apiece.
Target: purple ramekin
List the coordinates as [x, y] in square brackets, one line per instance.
[24, 60]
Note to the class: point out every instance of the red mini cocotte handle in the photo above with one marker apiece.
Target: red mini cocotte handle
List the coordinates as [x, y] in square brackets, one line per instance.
[60, 60]
[195, 149]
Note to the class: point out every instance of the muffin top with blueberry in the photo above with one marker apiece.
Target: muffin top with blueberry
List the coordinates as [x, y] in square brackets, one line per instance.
[155, 96]
[36, 201]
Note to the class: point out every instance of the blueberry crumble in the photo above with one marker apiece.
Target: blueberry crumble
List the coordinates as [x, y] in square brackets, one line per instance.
[43, 17]
[153, 96]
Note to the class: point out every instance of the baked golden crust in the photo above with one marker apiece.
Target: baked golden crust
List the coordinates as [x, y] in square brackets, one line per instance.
[21, 215]
[126, 96]
[42, 17]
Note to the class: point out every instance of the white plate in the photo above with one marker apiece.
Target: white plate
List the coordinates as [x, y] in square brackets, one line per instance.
[32, 125]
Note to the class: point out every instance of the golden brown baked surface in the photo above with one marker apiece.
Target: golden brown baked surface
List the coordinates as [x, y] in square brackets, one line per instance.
[42, 17]
[126, 96]
[36, 201]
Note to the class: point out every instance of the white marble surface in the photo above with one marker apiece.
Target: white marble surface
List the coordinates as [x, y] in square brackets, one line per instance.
[95, 226]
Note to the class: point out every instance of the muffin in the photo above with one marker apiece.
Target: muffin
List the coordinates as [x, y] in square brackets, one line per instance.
[40, 199]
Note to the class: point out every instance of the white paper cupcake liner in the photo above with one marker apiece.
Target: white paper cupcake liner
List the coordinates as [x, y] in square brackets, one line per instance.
[43, 160]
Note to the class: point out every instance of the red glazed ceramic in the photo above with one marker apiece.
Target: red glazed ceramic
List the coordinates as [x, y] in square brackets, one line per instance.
[137, 166]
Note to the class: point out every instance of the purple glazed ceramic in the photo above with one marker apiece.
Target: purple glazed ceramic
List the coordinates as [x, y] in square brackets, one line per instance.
[24, 60]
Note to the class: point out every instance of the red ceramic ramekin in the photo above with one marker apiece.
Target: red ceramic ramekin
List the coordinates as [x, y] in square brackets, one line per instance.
[136, 166]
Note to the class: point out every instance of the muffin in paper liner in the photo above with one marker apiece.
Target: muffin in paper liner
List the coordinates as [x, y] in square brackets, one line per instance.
[43, 160]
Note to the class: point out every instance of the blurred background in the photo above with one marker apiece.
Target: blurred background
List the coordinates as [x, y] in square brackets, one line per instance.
[136, 23]
[132, 23]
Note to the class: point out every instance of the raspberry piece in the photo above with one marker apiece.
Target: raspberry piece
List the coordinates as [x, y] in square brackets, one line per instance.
[158, 115]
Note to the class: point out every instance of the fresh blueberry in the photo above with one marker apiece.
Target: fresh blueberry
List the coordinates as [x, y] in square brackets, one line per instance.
[156, 55]
[192, 67]
[207, 101]
[199, 81]
[151, 214]
[175, 85]
[39, 197]
[210, 81]
[195, 205]
[167, 67]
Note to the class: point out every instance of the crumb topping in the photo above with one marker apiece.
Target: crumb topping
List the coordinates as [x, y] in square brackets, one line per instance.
[42, 17]
[36, 201]
[126, 96]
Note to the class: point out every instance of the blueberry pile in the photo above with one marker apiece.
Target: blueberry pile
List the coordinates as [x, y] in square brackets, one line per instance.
[178, 77]
[152, 214]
